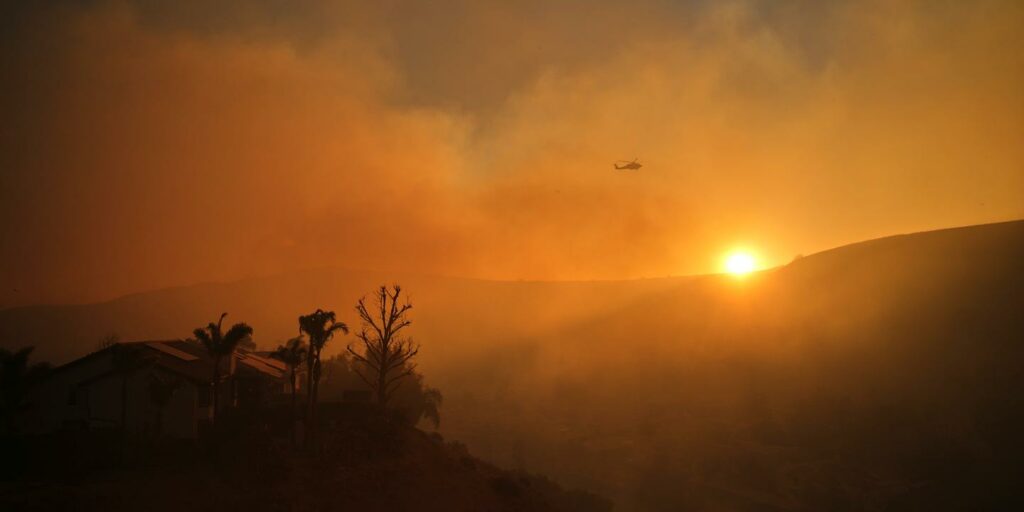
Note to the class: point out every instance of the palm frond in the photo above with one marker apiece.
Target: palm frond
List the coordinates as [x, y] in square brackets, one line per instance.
[338, 326]
[292, 353]
[235, 335]
[204, 337]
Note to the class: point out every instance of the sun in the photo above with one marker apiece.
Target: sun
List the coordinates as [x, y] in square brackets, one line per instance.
[739, 263]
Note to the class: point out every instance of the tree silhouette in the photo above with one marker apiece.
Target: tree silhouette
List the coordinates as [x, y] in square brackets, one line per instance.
[432, 406]
[16, 377]
[418, 401]
[293, 354]
[386, 355]
[320, 327]
[108, 341]
[221, 345]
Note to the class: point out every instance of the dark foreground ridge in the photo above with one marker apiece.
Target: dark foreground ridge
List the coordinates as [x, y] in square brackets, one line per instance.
[368, 462]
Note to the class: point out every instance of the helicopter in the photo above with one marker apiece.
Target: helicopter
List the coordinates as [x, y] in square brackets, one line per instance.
[629, 165]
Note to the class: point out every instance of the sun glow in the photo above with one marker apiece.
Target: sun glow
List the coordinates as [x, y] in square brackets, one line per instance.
[739, 263]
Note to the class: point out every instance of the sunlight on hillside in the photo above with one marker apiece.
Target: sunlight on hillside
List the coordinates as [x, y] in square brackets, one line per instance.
[739, 263]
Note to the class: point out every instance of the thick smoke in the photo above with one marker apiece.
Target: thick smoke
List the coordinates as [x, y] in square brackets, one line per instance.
[147, 146]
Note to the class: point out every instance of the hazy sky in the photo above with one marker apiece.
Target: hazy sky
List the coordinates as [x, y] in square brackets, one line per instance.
[144, 146]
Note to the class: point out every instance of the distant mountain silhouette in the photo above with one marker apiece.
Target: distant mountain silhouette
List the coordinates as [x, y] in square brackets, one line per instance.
[884, 269]
[882, 372]
[272, 305]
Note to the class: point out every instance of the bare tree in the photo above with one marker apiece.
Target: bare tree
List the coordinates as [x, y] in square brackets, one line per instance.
[108, 341]
[386, 355]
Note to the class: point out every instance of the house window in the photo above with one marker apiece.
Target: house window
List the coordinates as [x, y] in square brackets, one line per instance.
[204, 397]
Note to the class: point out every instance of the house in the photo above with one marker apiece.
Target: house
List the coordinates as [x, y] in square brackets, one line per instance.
[152, 388]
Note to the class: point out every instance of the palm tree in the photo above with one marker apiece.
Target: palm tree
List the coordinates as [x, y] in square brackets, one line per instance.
[320, 327]
[221, 345]
[16, 377]
[292, 353]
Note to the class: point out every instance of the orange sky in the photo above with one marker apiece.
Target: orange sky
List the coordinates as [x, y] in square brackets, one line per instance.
[146, 146]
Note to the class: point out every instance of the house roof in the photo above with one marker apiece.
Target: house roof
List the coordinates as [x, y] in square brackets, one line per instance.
[265, 365]
[188, 359]
[268, 357]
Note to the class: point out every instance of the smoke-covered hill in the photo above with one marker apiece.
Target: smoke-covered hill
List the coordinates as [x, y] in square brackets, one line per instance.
[884, 373]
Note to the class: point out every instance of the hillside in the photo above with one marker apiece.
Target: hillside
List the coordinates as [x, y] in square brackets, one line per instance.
[366, 463]
[879, 373]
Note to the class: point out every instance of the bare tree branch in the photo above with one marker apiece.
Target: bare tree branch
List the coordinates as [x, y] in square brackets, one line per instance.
[383, 351]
